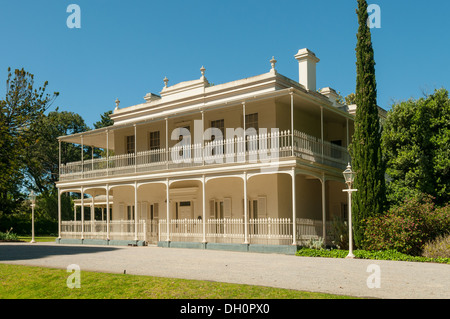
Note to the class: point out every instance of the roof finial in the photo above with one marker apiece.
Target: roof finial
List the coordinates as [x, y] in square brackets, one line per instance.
[166, 80]
[202, 69]
[273, 62]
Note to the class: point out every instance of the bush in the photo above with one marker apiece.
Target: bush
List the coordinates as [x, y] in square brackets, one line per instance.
[339, 233]
[406, 228]
[8, 236]
[438, 248]
[393, 232]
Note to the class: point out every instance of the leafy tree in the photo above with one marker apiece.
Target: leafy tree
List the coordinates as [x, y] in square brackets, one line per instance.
[350, 99]
[42, 157]
[105, 120]
[367, 160]
[416, 143]
[22, 106]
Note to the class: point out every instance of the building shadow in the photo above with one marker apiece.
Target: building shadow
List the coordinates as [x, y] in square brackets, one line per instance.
[25, 251]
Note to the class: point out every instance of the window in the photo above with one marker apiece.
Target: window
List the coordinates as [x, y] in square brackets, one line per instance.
[187, 143]
[155, 140]
[185, 204]
[130, 212]
[336, 151]
[130, 148]
[221, 126]
[154, 146]
[218, 124]
[251, 121]
[130, 144]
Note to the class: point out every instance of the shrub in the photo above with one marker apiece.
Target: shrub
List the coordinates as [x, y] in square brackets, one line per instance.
[393, 232]
[406, 228]
[438, 248]
[8, 236]
[315, 243]
[339, 233]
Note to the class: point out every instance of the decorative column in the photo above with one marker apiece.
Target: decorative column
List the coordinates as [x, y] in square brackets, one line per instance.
[292, 122]
[135, 151]
[59, 159]
[107, 212]
[294, 209]
[135, 211]
[245, 210]
[324, 217]
[82, 213]
[59, 213]
[321, 128]
[107, 152]
[167, 145]
[203, 140]
[82, 157]
[204, 207]
[168, 210]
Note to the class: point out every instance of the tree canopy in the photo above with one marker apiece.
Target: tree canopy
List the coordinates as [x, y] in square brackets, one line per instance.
[23, 105]
[416, 143]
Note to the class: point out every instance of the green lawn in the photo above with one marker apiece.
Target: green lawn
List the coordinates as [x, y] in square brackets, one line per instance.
[38, 238]
[25, 282]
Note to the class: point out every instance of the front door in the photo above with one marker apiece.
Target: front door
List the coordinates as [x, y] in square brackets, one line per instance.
[184, 210]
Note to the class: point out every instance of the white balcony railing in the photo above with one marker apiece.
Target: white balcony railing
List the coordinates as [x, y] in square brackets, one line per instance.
[264, 148]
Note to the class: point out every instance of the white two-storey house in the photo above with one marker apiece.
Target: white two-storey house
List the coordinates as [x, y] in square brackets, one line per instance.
[251, 164]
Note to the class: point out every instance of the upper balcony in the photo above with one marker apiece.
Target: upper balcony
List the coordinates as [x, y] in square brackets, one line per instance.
[270, 149]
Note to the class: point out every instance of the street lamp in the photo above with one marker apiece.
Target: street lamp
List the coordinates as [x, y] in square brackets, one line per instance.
[33, 203]
[349, 177]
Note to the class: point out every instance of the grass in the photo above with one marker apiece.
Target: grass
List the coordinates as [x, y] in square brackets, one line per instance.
[38, 238]
[362, 254]
[25, 282]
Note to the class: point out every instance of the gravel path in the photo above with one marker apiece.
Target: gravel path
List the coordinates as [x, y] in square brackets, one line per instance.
[397, 280]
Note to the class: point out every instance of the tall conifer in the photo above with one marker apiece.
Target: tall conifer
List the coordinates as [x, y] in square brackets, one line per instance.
[367, 161]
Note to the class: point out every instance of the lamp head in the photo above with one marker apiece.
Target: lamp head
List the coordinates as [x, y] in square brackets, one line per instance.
[349, 175]
[32, 197]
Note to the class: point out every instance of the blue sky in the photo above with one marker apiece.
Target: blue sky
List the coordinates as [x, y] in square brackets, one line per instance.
[124, 49]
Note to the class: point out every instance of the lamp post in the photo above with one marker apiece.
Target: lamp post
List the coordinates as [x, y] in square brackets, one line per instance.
[33, 201]
[349, 177]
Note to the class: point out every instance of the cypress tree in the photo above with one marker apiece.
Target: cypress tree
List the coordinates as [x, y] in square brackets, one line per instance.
[367, 160]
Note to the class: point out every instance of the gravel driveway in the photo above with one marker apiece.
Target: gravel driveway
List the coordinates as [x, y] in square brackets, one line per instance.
[359, 278]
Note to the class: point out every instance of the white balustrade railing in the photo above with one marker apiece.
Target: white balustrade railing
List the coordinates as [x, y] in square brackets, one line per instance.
[275, 231]
[263, 148]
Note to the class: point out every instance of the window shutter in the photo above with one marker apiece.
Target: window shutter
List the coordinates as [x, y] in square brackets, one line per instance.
[227, 208]
[212, 210]
[155, 211]
[144, 211]
[262, 209]
[122, 211]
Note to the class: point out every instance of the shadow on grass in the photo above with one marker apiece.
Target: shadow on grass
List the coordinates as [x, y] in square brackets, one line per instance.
[26, 251]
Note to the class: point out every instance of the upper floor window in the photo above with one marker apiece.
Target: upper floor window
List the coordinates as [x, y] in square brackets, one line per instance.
[220, 124]
[251, 120]
[130, 144]
[155, 140]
